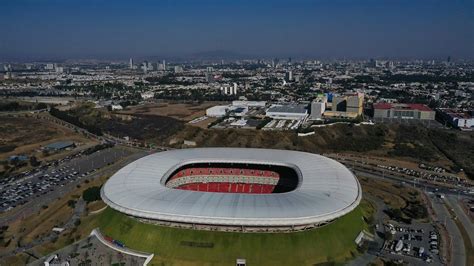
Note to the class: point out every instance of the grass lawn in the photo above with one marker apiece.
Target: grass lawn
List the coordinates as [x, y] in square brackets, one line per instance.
[333, 243]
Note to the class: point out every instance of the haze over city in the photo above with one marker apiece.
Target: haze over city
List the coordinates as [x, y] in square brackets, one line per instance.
[270, 133]
[49, 29]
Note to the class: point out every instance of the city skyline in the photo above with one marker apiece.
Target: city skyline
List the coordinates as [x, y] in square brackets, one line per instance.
[326, 29]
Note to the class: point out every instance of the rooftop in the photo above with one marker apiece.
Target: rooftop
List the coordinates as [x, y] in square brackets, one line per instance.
[294, 108]
[326, 190]
[59, 145]
[404, 106]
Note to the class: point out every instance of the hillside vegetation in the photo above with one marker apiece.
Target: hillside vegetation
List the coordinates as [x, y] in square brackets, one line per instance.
[173, 246]
[410, 142]
[416, 143]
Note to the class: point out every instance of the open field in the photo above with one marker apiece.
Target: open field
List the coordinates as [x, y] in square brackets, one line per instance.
[393, 196]
[180, 111]
[26, 134]
[402, 198]
[334, 242]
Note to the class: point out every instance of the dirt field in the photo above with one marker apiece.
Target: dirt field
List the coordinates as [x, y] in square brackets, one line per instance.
[26, 135]
[204, 123]
[180, 111]
[386, 191]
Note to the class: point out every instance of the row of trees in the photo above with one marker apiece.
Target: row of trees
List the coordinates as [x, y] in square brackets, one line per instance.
[75, 121]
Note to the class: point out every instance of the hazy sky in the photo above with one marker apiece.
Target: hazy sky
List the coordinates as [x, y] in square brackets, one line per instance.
[318, 28]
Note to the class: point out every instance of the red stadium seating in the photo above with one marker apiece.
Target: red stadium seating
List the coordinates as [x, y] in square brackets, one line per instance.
[224, 172]
[227, 187]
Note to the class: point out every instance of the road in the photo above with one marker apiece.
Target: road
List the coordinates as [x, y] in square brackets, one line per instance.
[462, 187]
[427, 187]
[376, 246]
[458, 249]
[452, 202]
[442, 214]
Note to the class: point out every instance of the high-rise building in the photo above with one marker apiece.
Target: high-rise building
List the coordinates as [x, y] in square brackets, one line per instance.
[58, 69]
[339, 103]
[164, 64]
[318, 106]
[49, 67]
[235, 88]
[178, 69]
[372, 63]
[130, 64]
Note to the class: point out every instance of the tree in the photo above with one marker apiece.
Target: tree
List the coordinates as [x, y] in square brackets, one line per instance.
[71, 203]
[34, 161]
[91, 194]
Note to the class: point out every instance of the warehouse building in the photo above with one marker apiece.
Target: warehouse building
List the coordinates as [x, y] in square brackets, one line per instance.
[256, 104]
[457, 118]
[60, 145]
[287, 112]
[217, 111]
[403, 111]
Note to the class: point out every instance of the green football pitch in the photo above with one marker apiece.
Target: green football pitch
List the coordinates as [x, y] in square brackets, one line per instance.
[173, 246]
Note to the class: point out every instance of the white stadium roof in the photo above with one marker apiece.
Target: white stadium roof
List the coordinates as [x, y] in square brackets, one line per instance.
[326, 190]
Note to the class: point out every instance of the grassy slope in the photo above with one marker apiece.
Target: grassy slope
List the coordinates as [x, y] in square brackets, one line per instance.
[334, 242]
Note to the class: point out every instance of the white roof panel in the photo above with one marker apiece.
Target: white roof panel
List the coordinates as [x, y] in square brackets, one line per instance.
[326, 190]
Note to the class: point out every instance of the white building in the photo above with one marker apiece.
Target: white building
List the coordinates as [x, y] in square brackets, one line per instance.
[318, 106]
[287, 112]
[249, 103]
[116, 107]
[217, 111]
[229, 90]
[178, 69]
[47, 67]
[147, 95]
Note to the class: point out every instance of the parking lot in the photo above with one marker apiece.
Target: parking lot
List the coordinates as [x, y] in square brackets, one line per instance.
[415, 244]
[19, 190]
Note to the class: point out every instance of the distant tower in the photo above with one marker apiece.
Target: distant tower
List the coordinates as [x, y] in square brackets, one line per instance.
[130, 64]
[164, 64]
[235, 89]
[372, 63]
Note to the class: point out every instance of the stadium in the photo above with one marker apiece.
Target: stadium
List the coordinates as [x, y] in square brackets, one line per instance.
[234, 189]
